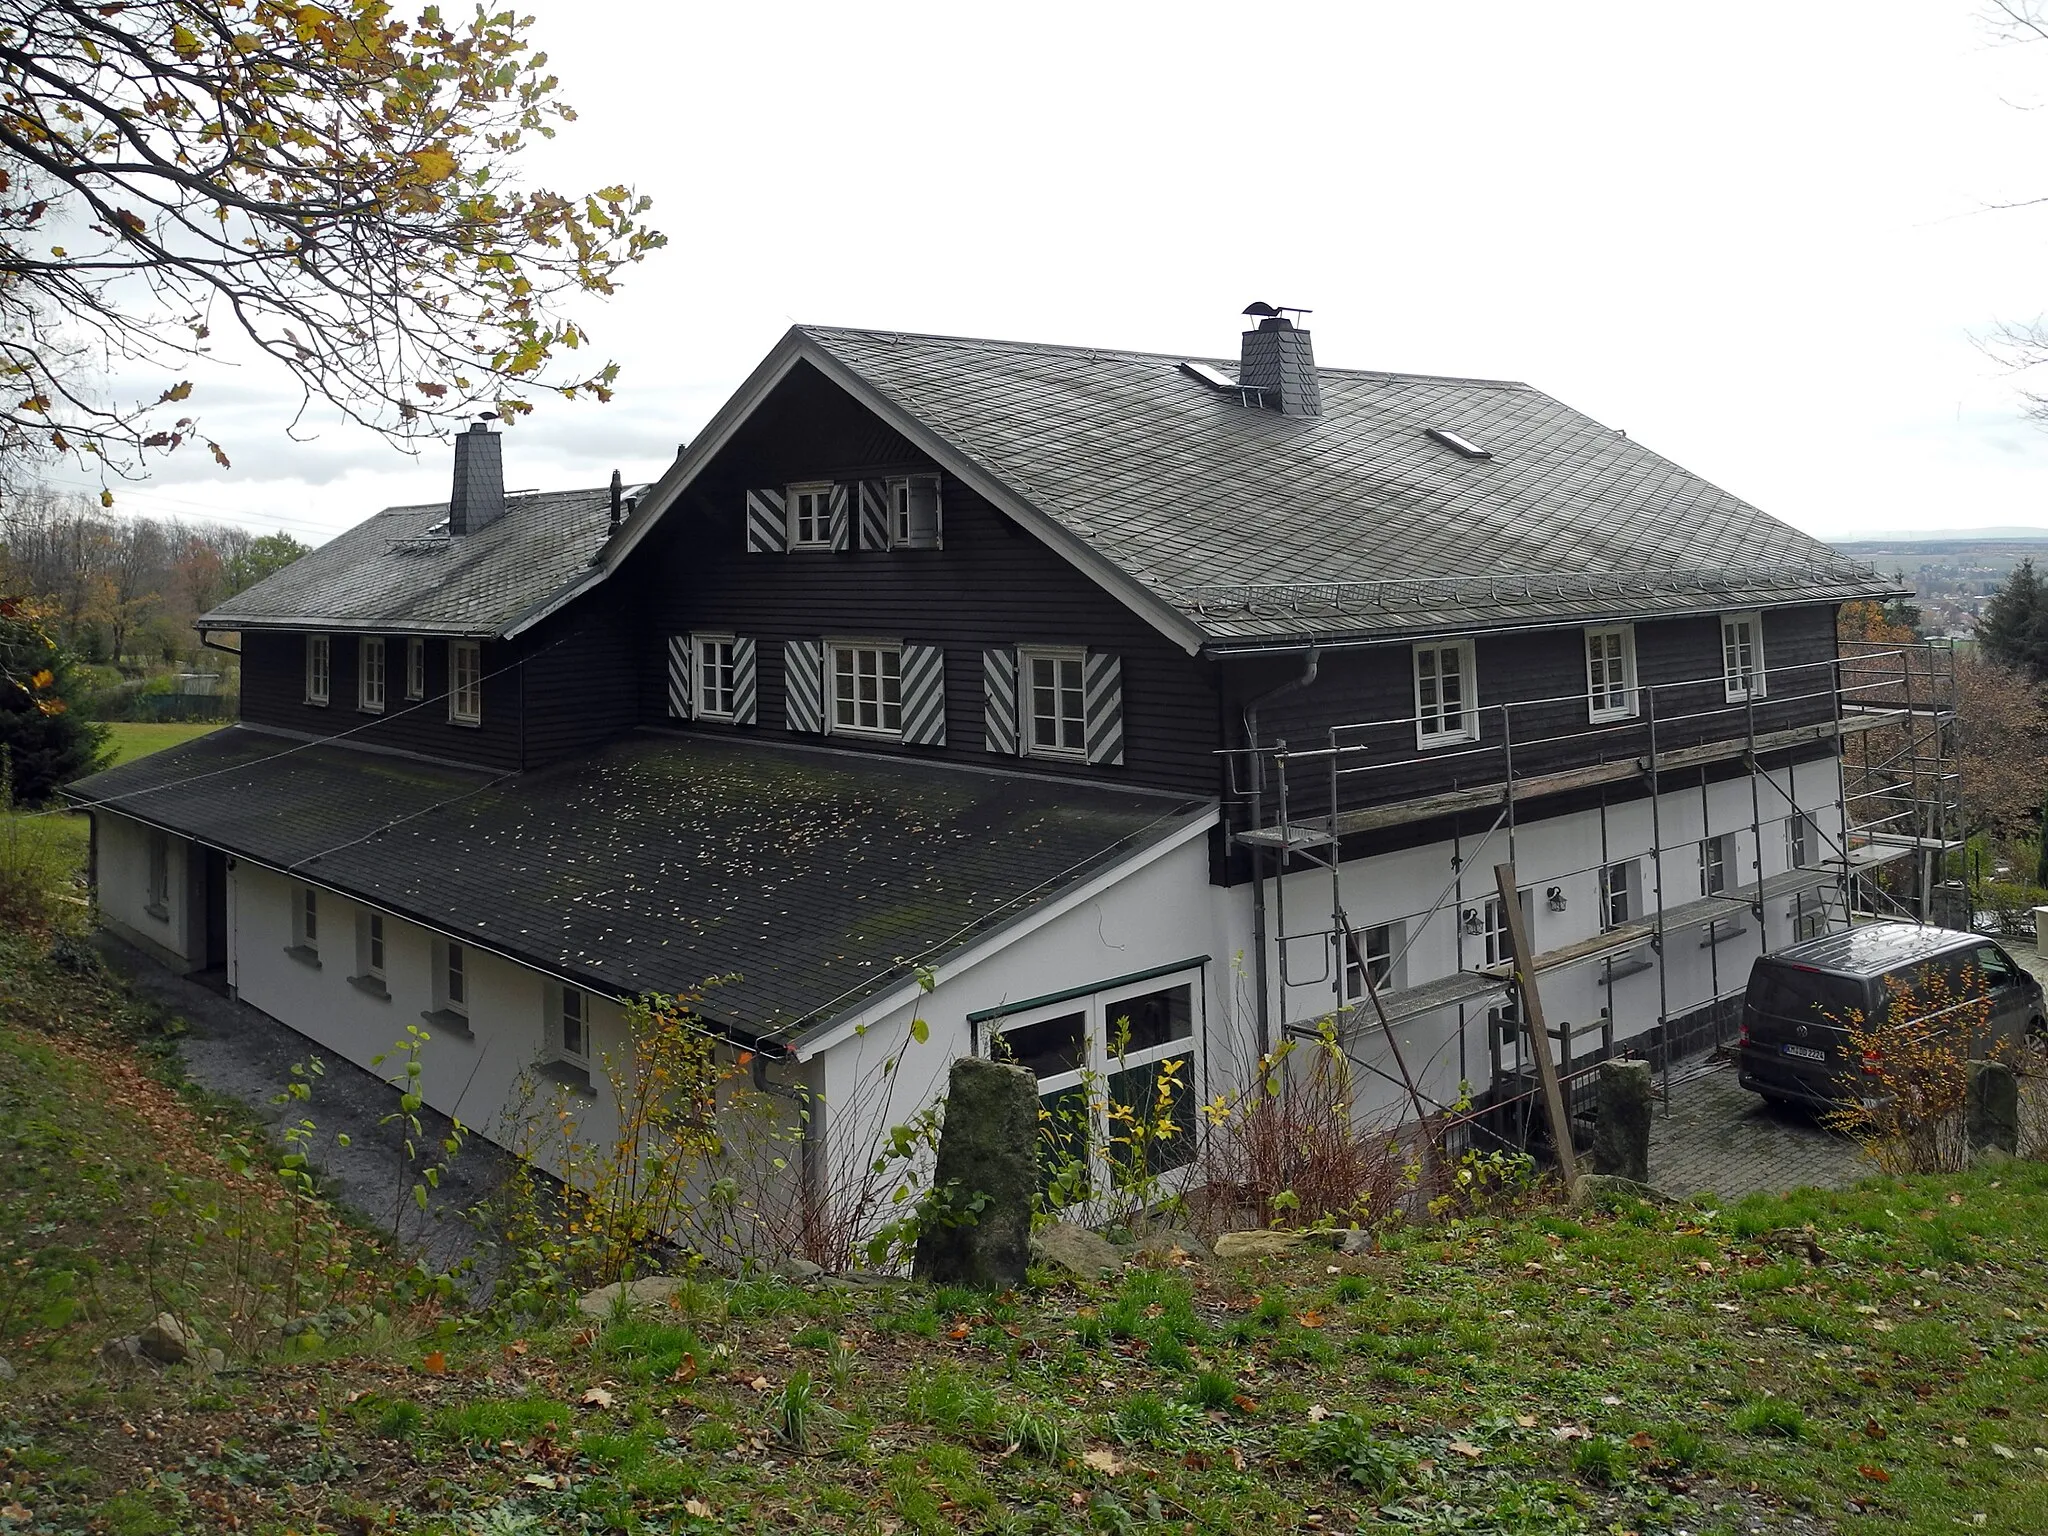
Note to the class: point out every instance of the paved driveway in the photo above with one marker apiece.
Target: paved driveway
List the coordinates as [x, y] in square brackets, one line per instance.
[1721, 1138]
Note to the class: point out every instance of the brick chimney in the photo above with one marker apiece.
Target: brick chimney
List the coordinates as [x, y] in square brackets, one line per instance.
[478, 499]
[1276, 358]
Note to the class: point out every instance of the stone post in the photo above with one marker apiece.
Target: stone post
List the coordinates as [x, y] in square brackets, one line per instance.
[987, 1147]
[1621, 1124]
[1992, 1119]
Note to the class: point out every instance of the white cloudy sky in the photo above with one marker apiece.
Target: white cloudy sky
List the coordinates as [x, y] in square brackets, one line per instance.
[1757, 235]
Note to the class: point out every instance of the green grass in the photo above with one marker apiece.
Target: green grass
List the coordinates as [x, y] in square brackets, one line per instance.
[132, 739]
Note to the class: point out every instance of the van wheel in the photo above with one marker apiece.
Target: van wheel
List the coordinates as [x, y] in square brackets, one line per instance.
[2037, 1030]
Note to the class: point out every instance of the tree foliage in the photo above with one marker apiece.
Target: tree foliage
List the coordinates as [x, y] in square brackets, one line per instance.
[2001, 746]
[44, 741]
[2013, 629]
[330, 180]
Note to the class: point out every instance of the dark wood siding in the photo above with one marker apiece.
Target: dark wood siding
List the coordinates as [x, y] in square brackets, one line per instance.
[992, 584]
[1367, 696]
[581, 682]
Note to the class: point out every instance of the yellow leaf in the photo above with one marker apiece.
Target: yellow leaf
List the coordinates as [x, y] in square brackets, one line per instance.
[433, 164]
[920, 1031]
[185, 42]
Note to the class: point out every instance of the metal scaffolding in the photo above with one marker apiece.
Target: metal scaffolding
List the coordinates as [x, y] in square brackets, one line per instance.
[1888, 718]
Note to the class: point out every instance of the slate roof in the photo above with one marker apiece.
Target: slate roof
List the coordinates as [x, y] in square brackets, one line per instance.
[389, 574]
[660, 861]
[1253, 524]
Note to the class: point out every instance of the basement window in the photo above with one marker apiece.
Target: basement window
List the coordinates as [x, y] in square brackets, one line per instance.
[1457, 442]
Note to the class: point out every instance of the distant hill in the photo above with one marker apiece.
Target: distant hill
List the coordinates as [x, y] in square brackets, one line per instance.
[1945, 536]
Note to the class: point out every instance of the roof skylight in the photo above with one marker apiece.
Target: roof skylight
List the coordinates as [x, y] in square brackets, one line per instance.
[1213, 377]
[1458, 443]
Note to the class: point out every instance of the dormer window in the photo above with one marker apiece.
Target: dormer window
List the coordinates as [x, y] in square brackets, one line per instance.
[810, 515]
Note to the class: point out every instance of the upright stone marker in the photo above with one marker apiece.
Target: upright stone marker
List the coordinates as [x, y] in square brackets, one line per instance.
[1621, 1125]
[988, 1147]
[1992, 1118]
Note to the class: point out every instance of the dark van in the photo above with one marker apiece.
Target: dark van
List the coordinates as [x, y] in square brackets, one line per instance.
[1793, 1045]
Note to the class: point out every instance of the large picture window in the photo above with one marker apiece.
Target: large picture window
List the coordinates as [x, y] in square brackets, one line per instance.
[1054, 699]
[867, 689]
[1116, 1082]
[1446, 708]
[1611, 672]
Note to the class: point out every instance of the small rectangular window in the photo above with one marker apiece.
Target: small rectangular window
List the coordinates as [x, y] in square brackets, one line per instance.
[455, 979]
[316, 669]
[1446, 708]
[370, 674]
[465, 682]
[309, 917]
[716, 677]
[415, 668]
[373, 958]
[914, 512]
[810, 515]
[159, 903]
[1617, 895]
[1611, 672]
[1376, 946]
[1716, 855]
[1799, 840]
[867, 689]
[1742, 656]
[1054, 702]
[575, 1028]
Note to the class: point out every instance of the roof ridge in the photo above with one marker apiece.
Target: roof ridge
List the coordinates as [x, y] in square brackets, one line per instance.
[1071, 349]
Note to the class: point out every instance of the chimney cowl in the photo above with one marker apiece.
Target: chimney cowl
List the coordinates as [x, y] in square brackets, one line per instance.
[1277, 358]
[477, 498]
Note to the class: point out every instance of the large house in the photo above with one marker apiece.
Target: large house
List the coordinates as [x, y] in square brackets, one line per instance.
[1072, 685]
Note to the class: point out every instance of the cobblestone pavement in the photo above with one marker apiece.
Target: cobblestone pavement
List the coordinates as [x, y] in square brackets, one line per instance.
[1719, 1137]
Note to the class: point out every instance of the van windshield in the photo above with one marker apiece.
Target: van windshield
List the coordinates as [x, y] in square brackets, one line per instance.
[1790, 992]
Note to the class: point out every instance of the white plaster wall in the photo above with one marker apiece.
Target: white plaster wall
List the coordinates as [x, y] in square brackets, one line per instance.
[179, 937]
[485, 1080]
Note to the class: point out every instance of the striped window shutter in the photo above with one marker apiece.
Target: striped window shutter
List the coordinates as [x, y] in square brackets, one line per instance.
[842, 515]
[743, 692]
[1102, 689]
[679, 676]
[999, 701]
[924, 695]
[767, 525]
[803, 685]
[874, 514]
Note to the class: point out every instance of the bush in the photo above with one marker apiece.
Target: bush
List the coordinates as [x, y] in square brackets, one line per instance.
[2011, 903]
[1910, 1116]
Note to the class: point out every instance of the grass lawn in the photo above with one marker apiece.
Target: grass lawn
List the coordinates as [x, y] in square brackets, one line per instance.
[132, 739]
[1873, 1360]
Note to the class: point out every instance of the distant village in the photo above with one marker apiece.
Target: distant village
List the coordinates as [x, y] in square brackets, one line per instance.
[1952, 578]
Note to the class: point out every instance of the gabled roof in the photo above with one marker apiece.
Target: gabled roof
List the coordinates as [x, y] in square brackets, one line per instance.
[400, 571]
[816, 877]
[1225, 522]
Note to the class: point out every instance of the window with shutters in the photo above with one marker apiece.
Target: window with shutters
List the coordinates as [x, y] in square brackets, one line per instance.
[1056, 717]
[316, 669]
[1742, 656]
[1446, 707]
[914, 512]
[809, 510]
[465, 682]
[717, 676]
[1611, 672]
[415, 668]
[370, 674]
[867, 689]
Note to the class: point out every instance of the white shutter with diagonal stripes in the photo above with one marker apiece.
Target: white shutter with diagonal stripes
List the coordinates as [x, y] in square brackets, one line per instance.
[803, 685]
[1102, 687]
[841, 506]
[999, 701]
[679, 676]
[874, 514]
[743, 688]
[924, 695]
[767, 524]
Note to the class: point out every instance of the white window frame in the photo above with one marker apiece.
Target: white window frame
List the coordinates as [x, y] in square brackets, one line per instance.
[1495, 947]
[159, 877]
[1600, 686]
[1743, 678]
[370, 680]
[574, 1001]
[1099, 1013]
[1802, 833]
[415, 668]
[466, 699]
[1057, 656]
[1379, 945]
[899, 513]
[451, 977]
[1620, 887]
[710, 655]
[1446, 734]
[817, 495]
[319, 670]
[881, 731]
[1716, 854]
[372, 945]
[306, 919]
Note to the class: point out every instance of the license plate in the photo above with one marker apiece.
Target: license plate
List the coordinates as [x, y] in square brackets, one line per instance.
[1806, 1053]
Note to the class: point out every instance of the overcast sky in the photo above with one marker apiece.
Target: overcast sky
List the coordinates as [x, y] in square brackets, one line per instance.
[1758, 237]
